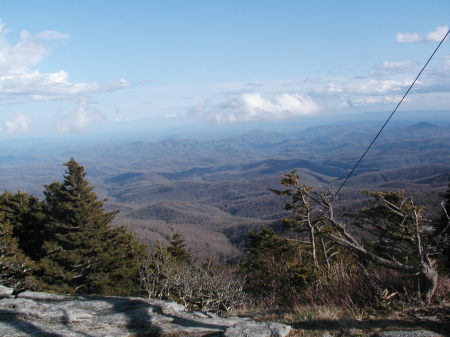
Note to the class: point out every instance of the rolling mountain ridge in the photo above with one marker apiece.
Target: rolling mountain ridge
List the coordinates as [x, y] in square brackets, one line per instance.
[211, 191]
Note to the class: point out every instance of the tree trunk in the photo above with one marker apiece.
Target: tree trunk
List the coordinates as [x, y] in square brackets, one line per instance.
[313, 246]
[427, 281]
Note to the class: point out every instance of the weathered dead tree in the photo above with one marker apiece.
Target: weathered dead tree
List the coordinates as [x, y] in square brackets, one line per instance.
[305, 219]
[395, 233]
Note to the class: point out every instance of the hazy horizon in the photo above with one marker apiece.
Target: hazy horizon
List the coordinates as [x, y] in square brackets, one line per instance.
[110, 70]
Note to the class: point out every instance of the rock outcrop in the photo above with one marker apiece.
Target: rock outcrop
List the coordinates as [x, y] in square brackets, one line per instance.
[43, 314]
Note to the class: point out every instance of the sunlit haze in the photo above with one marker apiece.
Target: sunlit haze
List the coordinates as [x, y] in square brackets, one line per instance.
[114, 68]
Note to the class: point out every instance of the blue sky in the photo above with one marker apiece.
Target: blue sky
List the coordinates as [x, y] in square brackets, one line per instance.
[71, 67]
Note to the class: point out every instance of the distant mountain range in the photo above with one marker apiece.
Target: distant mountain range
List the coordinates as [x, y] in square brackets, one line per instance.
[213, 191]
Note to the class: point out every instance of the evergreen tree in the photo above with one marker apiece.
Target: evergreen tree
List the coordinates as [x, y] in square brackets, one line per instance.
[120, 259]
[15, 267]
[178, 249]
[275, 267]
[83, 254]
[24, 213]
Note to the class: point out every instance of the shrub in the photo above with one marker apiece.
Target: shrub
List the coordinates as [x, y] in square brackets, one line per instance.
[202, 286]
[356, 287]
[276, 269]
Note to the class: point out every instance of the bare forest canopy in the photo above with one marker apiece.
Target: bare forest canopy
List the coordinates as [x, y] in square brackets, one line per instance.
[212, 192]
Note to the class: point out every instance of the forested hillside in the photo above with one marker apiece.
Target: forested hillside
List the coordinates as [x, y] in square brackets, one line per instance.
[210, 191]
[316, 255]
[65, 243]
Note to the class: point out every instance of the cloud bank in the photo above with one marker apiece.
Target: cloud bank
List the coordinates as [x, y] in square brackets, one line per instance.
[381, 88]
[19, 78]
[256, 107]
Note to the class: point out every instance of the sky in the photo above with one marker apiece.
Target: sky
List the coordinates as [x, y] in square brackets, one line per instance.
[81, 67]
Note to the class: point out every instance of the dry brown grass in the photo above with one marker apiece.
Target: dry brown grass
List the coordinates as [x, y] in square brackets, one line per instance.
[319, 321]
[343, 304]
[355, 289]
[442, 293]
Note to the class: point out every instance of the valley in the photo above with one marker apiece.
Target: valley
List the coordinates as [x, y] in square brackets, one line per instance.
[213, 191]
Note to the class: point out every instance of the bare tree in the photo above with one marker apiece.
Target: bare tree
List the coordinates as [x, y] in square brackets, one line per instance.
[203, 286]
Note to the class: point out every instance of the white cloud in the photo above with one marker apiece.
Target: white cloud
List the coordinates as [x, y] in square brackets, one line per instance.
[81, 117]
[407, 38]
[19, 78]
[18, 123]
[396, 65]
[438, 34]
[49, 86]
[27, 52]
[52, 35]
[434, 36]
[256, 107]
[384, 86]
[371, 100]
[377, 90]
[363, 86]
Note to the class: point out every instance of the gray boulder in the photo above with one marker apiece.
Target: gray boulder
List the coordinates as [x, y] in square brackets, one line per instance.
[42, 314]
[258, 329]
[407, 333]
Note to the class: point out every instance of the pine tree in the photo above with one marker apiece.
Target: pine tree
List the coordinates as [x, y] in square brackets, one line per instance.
[24, 213]
[178, 249]
[120, 259]
[15, 267]
[83, 253]
[275, 267]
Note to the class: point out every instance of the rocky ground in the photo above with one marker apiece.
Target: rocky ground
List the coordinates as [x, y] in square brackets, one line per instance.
[43, 314]
[51, 315]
